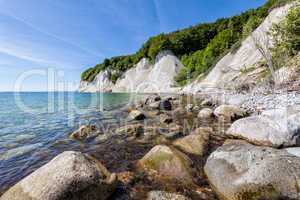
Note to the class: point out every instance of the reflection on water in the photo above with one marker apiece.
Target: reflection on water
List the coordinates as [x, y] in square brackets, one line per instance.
[34, 127]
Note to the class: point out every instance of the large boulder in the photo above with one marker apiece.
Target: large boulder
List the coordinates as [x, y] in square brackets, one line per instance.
[136, 115]
[262, 130]
[168, 163]
[85, 132]
[194, 144]
[229, 112]
[241, 171]
[135, 130]
[70, 175]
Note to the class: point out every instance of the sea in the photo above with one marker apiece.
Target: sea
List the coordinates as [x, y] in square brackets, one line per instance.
[35, 126]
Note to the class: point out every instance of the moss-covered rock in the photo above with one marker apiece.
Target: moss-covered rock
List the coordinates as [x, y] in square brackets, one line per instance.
[168, 163]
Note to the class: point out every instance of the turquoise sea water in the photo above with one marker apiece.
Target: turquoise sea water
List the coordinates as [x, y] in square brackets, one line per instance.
[34, 127]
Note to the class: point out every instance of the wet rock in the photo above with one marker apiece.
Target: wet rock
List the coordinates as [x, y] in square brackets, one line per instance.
[85, 132]
[179, 112]
[207, 102]
[241, 171]
[70, 175]
[229, 112]
[165, 119]
[173, 132]
[262, 130]
[196, 108]
[152, 99]
[165, 105]
[168, 163]
[194, 144]
[136, 115]
[135, 130]
[205, 113]
[162, 195]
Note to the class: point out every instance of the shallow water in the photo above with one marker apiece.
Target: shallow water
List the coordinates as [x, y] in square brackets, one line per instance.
[34, 127]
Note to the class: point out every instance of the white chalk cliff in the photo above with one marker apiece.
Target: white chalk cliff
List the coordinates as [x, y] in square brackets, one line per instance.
[227, 71]
[143, 78]
[101, 83]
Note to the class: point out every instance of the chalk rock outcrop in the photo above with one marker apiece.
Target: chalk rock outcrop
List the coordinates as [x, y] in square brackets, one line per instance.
[102, 83]
[241, 171]
[230, 67]
[70, 175]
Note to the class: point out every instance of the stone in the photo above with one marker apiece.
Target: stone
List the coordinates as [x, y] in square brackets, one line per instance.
[154, 105]
[168, 163]
[85, 132]
[135, 130]
[165, 105]
[70, 175]
[261, 130]
[152, 99]
[101, 138]
[162, 195]
[241, 171]
[207, 102]
[136, 115]
[193, 144]
[205, 113]
[179, 112]
[189, 107]
[229, 112]
[165, 119]
[196, 108]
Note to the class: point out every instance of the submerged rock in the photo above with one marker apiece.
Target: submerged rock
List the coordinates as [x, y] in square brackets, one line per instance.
[262, 130]
[19, 151]
[189, 107]
[162, 195]
[70, 175]
[241, 171]
[85, 132]
[136, 115]
[131, 130]
[168, 163]
[229, 112]
[193, 144]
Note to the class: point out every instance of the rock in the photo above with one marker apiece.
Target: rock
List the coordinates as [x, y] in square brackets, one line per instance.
[162, 195]
[154, 105]
[152, 99]
[173, 132]
[136, 115]
[189, 107]
[229, 112]
[70, 175]
[168, 163]
[135, 130]
[241, 171]
[101, 138]
[165, 119]
[207, 102]
[205, 113]
[194, 144]
[85, 132]
[179, 112]
[262, 130]
[196, 108]
[165, 105]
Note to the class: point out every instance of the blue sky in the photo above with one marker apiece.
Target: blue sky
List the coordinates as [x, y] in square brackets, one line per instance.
[69, 36]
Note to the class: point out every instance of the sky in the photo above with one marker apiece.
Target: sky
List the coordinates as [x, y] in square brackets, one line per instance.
[45, 44]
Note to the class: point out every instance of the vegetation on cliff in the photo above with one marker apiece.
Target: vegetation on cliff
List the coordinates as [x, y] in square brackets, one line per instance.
[199, 47]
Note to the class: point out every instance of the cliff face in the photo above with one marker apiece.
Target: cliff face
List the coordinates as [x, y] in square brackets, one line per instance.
[143, 78]
[230, 70]
[100, 84]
